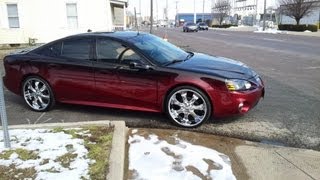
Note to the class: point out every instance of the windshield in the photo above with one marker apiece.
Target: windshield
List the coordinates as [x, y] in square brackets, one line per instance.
[158, 50]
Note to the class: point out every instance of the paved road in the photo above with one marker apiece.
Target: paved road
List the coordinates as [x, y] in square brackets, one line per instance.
[290, 113]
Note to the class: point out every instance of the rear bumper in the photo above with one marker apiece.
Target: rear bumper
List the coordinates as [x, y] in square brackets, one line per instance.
[11, 85]
[236, 103]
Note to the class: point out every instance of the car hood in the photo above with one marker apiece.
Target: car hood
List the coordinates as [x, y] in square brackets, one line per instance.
[216, 66]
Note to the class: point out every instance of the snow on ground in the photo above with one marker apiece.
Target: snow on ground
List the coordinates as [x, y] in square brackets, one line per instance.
[49, 147]
[151, 158]
[269, 31]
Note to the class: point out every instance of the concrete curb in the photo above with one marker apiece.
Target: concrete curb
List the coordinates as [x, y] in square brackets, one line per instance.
[117, 154]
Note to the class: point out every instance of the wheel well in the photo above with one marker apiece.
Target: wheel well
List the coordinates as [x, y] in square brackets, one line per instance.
[24, 77]
[186, 84]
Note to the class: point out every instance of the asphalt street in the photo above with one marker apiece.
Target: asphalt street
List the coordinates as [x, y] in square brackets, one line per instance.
[289, 114]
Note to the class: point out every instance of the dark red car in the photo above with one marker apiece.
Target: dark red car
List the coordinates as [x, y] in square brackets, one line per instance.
[135, 71]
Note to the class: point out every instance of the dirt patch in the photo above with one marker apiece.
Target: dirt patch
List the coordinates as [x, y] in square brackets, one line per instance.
[98, 144]
[14, 173]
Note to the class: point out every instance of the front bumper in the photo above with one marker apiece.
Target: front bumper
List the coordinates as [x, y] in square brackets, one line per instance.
[236, 103]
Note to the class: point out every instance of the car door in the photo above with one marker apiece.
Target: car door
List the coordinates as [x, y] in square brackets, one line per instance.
[138, 84]
[107, 84]
[71, 70]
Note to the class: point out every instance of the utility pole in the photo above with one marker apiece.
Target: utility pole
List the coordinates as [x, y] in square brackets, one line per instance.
[202, 10]
[176, 19]
[157, 11]
[167, 24]
[135, 19]
[194, 12]
[264, 15]
[167, 12]
[151, 16]
[140, 15]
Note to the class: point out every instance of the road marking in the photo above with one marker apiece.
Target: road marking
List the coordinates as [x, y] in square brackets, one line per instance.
[270, 39]
[39, 118]
[315, 67]
[28, 121]
[223, 34]
[47, 120]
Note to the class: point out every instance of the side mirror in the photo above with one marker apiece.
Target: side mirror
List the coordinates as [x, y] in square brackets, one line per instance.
[140, 66]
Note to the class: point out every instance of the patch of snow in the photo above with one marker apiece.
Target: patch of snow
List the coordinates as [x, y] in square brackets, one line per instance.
[307, 31]
[49, 146]
[269, 31]
[151, 158]
[134, 131]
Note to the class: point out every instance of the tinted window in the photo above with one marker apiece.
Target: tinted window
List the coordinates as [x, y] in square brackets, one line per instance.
[76, 49]
[109, 50]
[53, 50]
[158, 50]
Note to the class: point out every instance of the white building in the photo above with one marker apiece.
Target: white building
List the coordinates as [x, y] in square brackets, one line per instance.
[47, 20]
[249, 11]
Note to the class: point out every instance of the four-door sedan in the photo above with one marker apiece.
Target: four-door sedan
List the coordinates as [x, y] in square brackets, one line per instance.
[202, 26]
[189, 27]
[135, 71]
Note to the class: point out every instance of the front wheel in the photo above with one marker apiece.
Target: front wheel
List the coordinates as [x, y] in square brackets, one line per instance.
[37, 94]
[187, 106]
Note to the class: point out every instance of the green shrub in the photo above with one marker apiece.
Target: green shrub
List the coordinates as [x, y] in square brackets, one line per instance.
[300, 28]
[223, 26]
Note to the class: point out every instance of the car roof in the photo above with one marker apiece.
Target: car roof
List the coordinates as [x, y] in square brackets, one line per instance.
[116, 34]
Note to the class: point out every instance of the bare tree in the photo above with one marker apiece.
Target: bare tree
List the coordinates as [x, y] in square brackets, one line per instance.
[222, 8]
[297, 9]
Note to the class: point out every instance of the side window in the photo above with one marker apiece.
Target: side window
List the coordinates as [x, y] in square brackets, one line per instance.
[53, 50]
[76, 49]
[109, 50]
[130, 56]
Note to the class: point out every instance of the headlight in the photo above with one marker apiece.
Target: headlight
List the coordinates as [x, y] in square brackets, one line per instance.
[238, 85]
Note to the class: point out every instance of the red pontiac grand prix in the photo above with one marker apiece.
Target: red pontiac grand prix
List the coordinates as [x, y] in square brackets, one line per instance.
[135, 71]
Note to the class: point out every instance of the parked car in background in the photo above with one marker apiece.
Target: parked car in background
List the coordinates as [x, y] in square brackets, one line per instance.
[135, 71]
[190, 27]
[202, 26]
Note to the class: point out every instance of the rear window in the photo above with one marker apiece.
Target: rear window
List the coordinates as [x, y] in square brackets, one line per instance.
[76, 49]
[52, 50]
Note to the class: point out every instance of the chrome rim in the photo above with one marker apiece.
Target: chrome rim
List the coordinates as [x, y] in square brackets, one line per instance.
[187, 107]
[36, 94]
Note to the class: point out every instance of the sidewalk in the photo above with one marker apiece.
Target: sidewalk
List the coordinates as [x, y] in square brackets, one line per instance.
[249, 160]
[177, 154]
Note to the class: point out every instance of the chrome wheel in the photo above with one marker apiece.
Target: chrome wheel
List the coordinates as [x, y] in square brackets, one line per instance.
[37, 94]
[187, 107]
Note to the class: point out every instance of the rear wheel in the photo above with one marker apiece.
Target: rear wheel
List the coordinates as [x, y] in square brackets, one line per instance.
[187, 106]
[37, 94]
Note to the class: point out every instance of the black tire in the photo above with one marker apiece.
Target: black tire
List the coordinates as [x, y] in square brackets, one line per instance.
[178, 120]
[47, 103]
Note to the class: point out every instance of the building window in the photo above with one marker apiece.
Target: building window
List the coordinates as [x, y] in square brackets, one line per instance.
[13, 17]
[72, 15]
